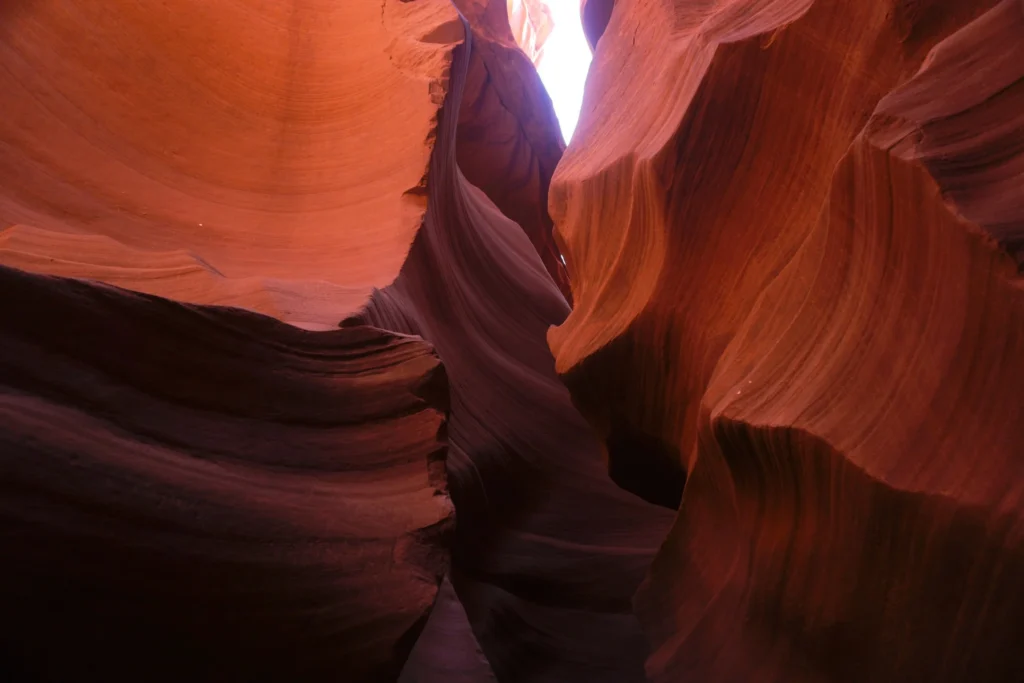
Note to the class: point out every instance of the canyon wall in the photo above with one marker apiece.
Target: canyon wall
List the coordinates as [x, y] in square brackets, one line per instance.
[189, 489]
[295, 383]
[795, 261]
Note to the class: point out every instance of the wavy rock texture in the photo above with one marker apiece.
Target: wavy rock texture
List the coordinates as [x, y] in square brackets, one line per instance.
[176, 275]
[508, 139]
[228, 131]
[548, 550]
[531, 24]
[962, 115]
[795, 230]
[290, 457]
[793, 266]
[208, 494]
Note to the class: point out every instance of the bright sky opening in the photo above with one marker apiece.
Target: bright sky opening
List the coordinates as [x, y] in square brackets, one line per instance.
[564, 62]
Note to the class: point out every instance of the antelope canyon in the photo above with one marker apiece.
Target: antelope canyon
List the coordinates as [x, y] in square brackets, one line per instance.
[335, 347]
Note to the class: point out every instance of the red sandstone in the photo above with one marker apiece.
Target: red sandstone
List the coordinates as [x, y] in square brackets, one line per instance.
[765, 426]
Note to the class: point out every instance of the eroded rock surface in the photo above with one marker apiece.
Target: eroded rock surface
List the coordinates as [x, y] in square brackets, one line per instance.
[548, 550]
[794, 326]
[283, 140]
[177, 275]
[208, 494]
[508, 140]
[792, 259]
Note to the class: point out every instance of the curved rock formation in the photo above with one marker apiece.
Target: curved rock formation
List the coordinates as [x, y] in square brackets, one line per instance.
[557, 501]
[961, 116]
[177, 275]
[208, 494]
[787, 280]
[508, 141]
[595, 15]
[795, 230]
[245, 147]
[228, 130]
[548, 550]
[858, 549]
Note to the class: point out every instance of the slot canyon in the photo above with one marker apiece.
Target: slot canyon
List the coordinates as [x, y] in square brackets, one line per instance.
[324, 357]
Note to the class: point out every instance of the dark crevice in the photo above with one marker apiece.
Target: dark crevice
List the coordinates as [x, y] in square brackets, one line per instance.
[646, 466]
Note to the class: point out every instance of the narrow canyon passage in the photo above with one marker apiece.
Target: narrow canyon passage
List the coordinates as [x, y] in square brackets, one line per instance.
[550, 32]
[463, 341]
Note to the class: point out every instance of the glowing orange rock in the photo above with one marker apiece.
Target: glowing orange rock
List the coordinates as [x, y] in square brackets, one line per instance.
[280, 140]
[791, 255]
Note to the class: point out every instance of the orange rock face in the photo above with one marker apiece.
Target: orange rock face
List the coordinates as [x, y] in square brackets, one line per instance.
[792, 258]
[228, 131]
[177, 274]
[766, 426]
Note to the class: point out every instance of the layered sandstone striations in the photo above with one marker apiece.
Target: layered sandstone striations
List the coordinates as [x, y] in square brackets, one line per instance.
[175, 274]
[198, 492]
[548, 550]
[246, 148]
[793, 263]
[794, 229]
[280, 140]
[293, 457]
[209, 494]
[508, 140]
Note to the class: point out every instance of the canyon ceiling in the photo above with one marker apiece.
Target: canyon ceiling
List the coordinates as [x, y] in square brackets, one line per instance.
[322, 357]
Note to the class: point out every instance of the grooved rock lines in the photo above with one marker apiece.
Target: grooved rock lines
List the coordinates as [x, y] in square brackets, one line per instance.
[508, 141]
[548, 550]
[763, 423]
[207, 493]
[229, 131]
[794, 261]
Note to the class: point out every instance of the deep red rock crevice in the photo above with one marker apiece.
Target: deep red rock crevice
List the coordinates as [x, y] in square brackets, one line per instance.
[769, 431]
[531, 564]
